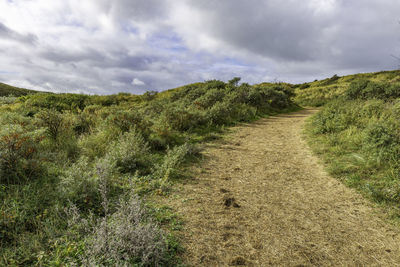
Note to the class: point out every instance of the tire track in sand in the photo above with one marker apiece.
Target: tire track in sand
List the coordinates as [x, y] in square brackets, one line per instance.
[260, 198]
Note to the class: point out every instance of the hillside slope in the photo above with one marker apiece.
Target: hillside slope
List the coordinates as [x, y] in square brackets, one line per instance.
[318, 93]
[8, 90]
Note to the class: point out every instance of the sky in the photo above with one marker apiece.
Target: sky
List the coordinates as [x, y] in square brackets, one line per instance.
[106, 47]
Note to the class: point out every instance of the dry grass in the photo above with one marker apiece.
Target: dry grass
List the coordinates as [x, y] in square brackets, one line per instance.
[261, 198]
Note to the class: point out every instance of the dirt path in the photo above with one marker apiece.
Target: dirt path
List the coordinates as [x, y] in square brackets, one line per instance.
[260, 198]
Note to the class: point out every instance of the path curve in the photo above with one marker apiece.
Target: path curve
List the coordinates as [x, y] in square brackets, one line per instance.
[260, 198]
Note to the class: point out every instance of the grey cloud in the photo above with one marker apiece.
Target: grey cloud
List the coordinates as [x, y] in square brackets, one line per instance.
[64, 56]
[7, 33]
[348, 35]
[140, 10]
[132, 62]
[274, 29]
[267, 40]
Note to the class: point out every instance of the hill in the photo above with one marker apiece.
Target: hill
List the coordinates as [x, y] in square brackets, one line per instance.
[8, 90]
[318, 93]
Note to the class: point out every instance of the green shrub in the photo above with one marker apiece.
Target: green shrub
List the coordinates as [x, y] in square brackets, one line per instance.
[356, 88]
[59, 102]
[5, 100]
[382, 137]
[331, 119]
[79, 184]
[210, 98]
[96, 144]
[365, 89]
[53, 121]
[179, 118]
[330, 81]
[128, 119]
[83, 123]
[126, 237]
[174, 158]
[130, 152]
[219, 114]
[19, 155]
[149, 95]
[304, 86]
[162, 135]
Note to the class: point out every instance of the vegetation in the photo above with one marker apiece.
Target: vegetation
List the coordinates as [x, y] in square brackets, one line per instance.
[8, 90]
[357, 133]
[319, 93]
[77, 171]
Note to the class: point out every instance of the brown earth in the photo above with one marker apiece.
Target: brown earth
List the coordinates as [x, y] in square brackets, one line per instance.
[260, 198]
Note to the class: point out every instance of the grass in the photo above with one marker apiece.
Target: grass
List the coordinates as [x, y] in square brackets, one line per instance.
[319, 93]
[356, 132]
[357, 137]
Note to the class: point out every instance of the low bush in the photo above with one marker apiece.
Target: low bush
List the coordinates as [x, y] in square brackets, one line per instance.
[366, 89]
[79, 185]
[130, 152]
[174, 158]
[124, 237]
[19, 155]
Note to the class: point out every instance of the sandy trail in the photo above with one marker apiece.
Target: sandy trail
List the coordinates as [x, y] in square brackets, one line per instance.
[260, 198]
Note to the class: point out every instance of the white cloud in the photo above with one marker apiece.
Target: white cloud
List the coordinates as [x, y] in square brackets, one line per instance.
[138, 82]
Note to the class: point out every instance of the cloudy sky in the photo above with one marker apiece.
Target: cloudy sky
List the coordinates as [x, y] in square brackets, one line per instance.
[104, 47]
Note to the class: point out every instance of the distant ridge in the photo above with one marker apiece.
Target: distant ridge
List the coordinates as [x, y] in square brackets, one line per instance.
[318, 93]
[8, 90]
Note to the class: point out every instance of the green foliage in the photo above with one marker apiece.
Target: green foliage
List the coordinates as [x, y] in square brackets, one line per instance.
[381, 85]
[59, 102]
[356, 88]
[366, 89]
[19, 145]
[330, 81]
[125, 120]
[169, 167]
[89, 152]
[5, 100]
[130, 152]
[79, 184]
[83, 123]
[53, 121]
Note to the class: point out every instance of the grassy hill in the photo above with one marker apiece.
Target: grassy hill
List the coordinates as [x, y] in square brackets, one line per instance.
[8, 90]
[318, 93]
